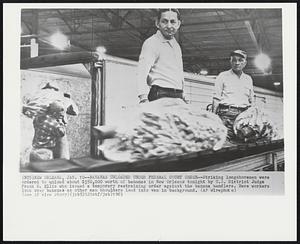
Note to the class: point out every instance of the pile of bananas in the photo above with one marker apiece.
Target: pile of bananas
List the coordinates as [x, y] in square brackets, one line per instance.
[255, 124]
[163, 128]
[37, 104]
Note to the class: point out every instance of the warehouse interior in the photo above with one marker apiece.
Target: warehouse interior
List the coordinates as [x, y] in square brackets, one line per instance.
[54, 45]
[206, 36]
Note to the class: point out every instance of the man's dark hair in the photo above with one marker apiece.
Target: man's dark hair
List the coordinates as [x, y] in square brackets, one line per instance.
[160, 11]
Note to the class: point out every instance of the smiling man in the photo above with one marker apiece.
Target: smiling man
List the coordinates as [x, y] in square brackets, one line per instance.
[160, 66]
[233, 91]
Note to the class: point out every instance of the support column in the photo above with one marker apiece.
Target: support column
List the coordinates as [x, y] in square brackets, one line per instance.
[269, 159]
[274, 155]
[96, 75]
[34, 47]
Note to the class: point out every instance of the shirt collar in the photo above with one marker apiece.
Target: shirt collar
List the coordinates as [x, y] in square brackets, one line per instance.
[162, 38]
[236, 74]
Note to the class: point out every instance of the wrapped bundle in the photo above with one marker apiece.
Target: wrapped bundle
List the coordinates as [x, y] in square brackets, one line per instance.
[254, 124]
[162, 128]
[277, 120]
[34, 107]
[27, 132]
[37, 104]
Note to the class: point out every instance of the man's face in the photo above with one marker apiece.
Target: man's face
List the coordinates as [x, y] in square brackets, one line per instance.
[237, 62]
[58, 115]
[168, 24]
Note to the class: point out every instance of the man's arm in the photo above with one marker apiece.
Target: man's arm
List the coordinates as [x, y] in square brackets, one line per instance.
[146, 61]
[215, 104]
[31, 106]
[59, 129]
[251, 95]
[182, 78]
[217, 93]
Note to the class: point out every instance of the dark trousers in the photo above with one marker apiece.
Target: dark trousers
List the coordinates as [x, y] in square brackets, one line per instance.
[157, 92]
[228, 116]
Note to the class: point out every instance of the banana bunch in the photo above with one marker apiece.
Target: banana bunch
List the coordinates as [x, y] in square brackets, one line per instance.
[165, 128]
[254, 124]
[37, 104]
[35, 107]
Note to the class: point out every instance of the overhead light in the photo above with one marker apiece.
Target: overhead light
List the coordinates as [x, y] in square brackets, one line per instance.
[277, 83]
[101, 50]
[203, 72]
[60, 40]
[262, 61]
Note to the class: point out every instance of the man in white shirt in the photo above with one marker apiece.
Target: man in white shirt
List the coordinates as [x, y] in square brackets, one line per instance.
[160, 66]
[233, 91]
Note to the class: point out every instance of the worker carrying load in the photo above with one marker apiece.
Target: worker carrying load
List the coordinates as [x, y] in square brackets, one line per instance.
[49, 128]
[162, 128]
[39, 107]
[37, 104]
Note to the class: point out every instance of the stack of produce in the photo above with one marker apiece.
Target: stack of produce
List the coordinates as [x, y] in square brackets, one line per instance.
[162, 128]
[255, 124]
[37, 104]
[277, 120]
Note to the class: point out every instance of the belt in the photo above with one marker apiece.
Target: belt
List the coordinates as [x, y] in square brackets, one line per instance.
[167, 89]
[230, 106]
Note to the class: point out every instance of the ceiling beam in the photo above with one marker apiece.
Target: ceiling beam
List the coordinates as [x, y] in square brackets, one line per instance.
[205, 23]
[42, 37]
[27, 26]
[257, 31]
[228, 29]
[230, 13]
[125, 16]
[129, 24]
[35, 22]
[221, 29]
[65, 21]
[186, 32]
[253, 36]
[116, 22]
[98, 34]
[266, 44]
